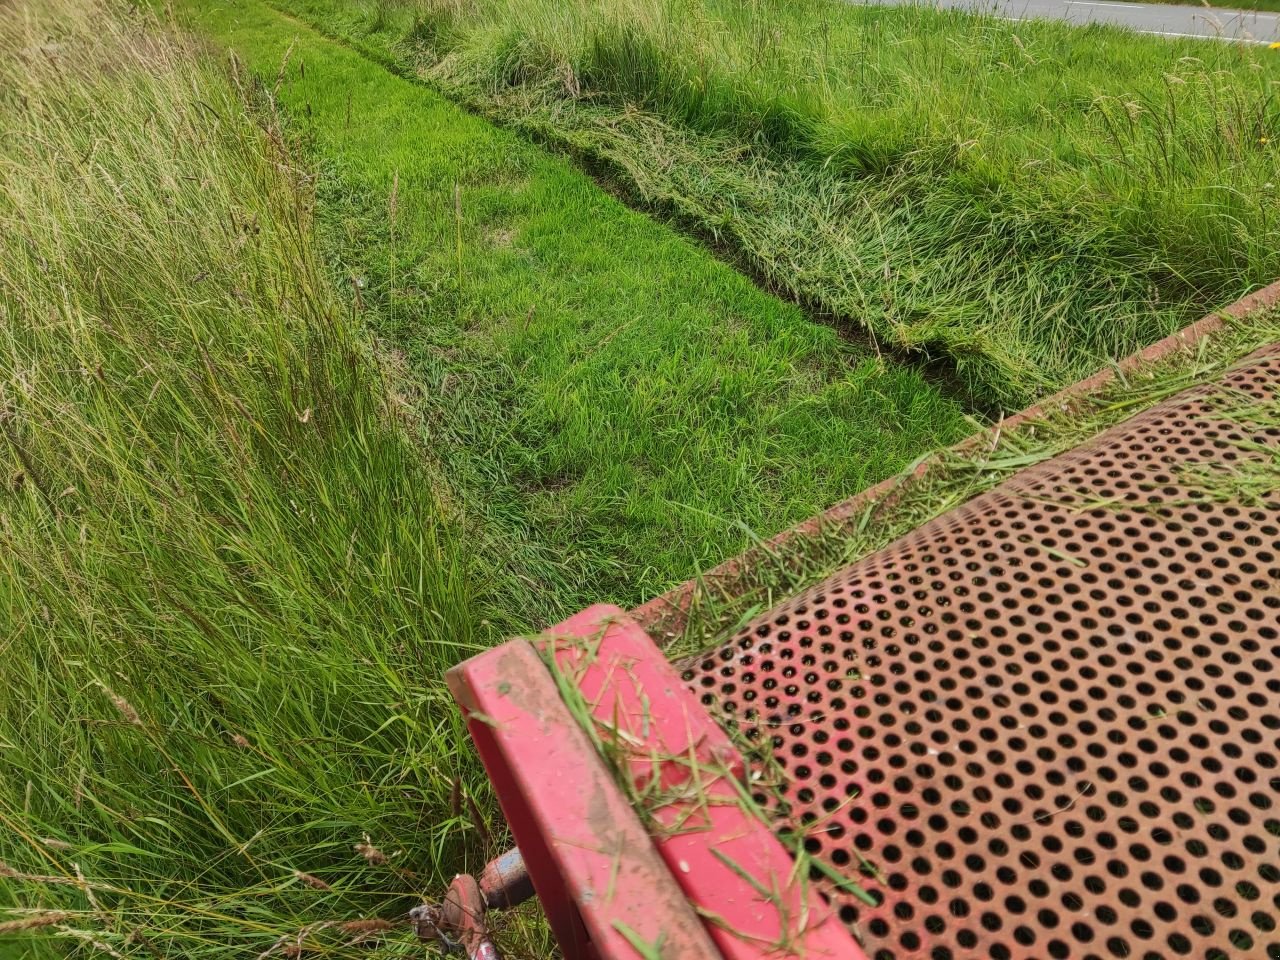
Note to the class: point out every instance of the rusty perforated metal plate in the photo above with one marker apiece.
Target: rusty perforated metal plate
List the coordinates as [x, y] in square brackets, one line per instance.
[1047, 724]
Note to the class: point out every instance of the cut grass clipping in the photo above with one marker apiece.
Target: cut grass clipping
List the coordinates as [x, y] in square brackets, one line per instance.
[615, 408]
[1026, 200]
[227, 588]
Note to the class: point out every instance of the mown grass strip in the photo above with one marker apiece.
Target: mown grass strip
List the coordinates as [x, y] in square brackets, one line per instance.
[616, 408]
[1027, 200]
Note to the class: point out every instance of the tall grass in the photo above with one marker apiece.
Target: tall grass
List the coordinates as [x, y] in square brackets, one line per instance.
[228, 587]
[1026, 199]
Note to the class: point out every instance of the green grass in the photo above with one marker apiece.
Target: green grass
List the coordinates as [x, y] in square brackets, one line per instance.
[249, 519]
[297, 412]
[228, 585]
[615, 408]
[1024, 200]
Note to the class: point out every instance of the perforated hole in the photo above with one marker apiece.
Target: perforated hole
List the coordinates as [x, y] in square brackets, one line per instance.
[1048, 722]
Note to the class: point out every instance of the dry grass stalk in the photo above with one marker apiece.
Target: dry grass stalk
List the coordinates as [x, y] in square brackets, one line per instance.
[312, 881]
[35, 921]
[9, 873]
[374, 856]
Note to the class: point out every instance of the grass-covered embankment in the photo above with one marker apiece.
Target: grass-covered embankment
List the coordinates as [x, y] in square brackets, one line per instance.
[615, 408]
[227, 583]
[1028, 200]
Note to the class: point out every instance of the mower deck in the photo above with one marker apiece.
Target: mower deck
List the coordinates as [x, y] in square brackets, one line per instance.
[1045, 724]
[1048, 722]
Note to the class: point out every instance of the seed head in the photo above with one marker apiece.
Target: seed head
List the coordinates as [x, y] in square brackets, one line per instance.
[363, 927]
[372, 854]
[124, 706]
[33, 922]
[312, 881]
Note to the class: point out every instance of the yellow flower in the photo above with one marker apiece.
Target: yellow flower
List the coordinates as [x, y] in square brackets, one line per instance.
[1275, 46]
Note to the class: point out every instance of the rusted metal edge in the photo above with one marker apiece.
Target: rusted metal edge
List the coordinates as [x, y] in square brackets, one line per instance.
[665, 616]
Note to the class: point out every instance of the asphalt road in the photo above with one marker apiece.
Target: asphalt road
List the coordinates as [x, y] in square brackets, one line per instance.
[1158, 18]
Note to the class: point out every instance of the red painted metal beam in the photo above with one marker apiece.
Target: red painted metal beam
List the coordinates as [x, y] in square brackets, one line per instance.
[711, 856]
[601, 882]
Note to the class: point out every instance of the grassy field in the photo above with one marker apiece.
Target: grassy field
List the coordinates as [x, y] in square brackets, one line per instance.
[614, 406]
[1024, 200]
[298, 413]
[313, 383]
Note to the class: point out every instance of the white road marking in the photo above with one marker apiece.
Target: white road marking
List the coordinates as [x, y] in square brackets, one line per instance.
[1222, 24]
[1200, 36]
[1154, 33]
[1221, 17]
